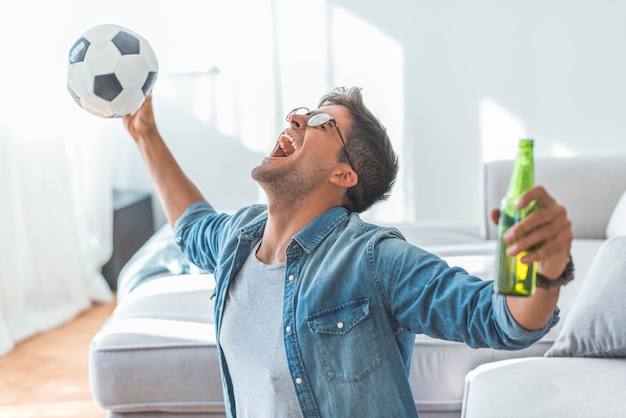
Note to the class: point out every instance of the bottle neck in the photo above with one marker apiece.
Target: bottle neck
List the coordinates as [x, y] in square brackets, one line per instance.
[523, 177]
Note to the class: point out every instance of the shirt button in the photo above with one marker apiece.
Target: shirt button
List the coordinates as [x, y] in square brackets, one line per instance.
[340, 325]
[288, 328]
[298, 381]
[291, 277]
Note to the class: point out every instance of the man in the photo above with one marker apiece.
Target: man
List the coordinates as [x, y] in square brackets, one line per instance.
[316, 311]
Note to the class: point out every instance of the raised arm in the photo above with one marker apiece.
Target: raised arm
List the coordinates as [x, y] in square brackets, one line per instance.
[550, 230]
[174, 188]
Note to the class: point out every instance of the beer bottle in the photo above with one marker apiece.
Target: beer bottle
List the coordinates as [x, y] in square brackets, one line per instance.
[512, 276]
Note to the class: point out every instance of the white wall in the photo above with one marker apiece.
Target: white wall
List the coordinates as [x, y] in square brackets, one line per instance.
[456, 82]
[480, 74]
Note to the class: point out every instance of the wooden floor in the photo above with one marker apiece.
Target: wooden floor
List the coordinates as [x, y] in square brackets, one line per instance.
[47, 375]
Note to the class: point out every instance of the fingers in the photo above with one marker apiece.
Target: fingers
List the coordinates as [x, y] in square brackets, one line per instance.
[147, 104]
[538, 194]
[141, 122]
[543, 233]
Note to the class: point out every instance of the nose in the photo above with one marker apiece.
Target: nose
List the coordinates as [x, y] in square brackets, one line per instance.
[298, 121]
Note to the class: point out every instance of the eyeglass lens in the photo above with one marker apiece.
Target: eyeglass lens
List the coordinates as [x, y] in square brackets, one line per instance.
[297, 111]
[318, 119]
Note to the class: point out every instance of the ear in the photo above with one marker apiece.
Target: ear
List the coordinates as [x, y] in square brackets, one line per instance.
[344, 177]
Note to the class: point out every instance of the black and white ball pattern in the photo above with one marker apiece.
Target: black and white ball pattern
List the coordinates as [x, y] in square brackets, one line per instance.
[111, 71]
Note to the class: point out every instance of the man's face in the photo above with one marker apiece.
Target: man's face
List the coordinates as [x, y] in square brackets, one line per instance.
[304, 156]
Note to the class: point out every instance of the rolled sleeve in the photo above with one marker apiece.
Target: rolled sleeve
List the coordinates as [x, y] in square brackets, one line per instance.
[517, 336]
[192, 213]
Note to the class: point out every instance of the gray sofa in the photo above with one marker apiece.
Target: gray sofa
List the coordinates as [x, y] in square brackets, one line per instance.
[156, 357]
[583, 373]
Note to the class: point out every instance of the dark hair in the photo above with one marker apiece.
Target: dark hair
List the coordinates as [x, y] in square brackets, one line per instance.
[370, 149]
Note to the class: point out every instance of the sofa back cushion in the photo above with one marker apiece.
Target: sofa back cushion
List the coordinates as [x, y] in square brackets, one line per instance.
[617, 223]
[596, 324]
[588, 187]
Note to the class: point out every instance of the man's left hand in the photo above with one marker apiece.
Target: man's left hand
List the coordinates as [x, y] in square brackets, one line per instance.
[545, 234]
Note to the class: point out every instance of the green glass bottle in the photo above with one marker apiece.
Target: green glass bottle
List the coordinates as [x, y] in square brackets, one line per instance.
[512, 276]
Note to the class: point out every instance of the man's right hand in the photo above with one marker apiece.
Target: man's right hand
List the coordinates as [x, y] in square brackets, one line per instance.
[141, 124]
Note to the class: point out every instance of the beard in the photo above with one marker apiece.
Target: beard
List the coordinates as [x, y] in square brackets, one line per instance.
[290, 184]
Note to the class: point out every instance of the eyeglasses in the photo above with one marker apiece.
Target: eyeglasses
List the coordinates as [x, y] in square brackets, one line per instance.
[319, 119]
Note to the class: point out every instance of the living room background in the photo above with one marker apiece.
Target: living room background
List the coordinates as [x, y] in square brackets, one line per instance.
[456, 83]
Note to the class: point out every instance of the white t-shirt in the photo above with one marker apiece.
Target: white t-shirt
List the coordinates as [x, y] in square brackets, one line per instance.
[251, 337]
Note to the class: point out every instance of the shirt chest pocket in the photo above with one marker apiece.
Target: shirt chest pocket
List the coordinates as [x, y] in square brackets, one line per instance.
[346, 340]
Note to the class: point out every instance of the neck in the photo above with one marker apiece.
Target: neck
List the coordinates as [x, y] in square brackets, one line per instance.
[285, 219]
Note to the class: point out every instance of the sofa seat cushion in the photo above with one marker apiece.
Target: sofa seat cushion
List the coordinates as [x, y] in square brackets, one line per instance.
[438, 368]
[157, 351]
[546, 387]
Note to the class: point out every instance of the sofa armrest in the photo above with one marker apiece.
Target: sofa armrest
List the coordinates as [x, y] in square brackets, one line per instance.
[546, 387]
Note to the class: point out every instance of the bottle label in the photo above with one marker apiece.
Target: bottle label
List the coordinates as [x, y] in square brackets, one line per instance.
[521, 272]
[513, 277]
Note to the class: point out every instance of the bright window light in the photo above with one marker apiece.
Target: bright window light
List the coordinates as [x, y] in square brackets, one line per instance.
[500, 131]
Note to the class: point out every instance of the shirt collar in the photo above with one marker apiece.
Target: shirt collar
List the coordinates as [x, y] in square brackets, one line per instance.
[310, 236]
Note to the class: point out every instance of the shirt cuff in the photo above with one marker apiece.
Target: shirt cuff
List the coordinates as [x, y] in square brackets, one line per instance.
[193, 212]
[512, 329]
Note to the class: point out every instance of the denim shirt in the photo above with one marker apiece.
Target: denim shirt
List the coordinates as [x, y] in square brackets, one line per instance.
[355, 296]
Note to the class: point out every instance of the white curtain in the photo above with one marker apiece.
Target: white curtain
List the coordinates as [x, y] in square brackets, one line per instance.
[55, 220]
[55, 178]
[229, 72]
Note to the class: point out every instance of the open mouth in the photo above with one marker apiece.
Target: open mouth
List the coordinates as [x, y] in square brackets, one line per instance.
[286, 146]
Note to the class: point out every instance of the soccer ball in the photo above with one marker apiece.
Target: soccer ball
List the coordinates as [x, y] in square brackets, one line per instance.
[111, 71]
